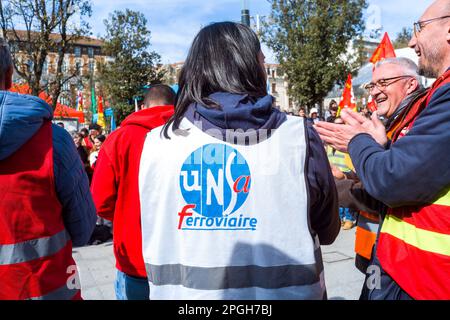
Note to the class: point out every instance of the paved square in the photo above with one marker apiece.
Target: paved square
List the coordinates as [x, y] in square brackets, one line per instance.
[96, 265]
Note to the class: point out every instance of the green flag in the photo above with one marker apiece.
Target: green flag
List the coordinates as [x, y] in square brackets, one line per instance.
[93, 101]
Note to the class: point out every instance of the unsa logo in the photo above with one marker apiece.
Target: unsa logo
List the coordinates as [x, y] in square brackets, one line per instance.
[216, 179]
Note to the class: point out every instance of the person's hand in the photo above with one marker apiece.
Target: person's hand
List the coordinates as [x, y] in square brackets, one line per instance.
[374, 127]
[340, 135]
[379, 130]
[337, 173]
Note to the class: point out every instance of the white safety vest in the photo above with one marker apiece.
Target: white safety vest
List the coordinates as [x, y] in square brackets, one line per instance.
[228, 221]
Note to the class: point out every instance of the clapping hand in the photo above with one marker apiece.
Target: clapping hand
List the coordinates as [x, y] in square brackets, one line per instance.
[340, 135]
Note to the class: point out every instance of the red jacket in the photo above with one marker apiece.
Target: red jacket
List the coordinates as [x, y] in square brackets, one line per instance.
[115, 185]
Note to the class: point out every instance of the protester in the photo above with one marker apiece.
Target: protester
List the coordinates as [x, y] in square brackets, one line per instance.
[313, 116]
[395, 87]
[86, 141]
[103, 229]
[78, 140]
[94, 131]
[46, 206]
[333, 109]
[98, 141]
[116, 193]
[411, 176]
[340, 162]
[302, 113]
[207, 233]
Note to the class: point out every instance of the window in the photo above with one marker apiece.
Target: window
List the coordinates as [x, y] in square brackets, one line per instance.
[91, 52]
[45, 67]
[77, 52]
[66, 86]
[91, 66]
[274, 88]
[64, 66]
[273, 73]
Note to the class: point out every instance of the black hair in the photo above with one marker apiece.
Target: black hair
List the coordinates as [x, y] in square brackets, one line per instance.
[223, 58]
[333, 102]
[94, 126]
[101, 137]
[160, 94]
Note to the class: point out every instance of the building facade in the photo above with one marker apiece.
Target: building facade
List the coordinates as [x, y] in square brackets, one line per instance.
[79, 68]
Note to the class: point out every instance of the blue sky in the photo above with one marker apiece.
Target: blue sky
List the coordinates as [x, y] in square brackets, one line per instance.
[174, 23]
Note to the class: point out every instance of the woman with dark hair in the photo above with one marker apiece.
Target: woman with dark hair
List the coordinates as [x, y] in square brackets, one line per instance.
[236, 197]
[224, 58]
[98, 141]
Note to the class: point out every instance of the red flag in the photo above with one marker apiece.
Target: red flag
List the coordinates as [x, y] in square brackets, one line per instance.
[371, 105]
[384, 50]
[348, 98]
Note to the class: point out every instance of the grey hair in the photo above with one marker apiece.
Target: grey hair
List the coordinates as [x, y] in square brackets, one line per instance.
[5, 57]
[409, 66]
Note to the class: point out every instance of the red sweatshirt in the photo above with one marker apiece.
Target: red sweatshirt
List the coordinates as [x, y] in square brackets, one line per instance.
[115, 185]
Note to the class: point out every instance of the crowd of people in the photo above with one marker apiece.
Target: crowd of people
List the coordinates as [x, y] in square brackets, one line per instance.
[212, 193]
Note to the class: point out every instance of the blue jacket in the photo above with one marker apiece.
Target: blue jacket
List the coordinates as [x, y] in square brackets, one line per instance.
[416, 168]
[21, 116]
[240, 112]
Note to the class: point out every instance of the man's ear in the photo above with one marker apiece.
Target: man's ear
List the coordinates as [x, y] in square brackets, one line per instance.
[8, 78]
[413, 84]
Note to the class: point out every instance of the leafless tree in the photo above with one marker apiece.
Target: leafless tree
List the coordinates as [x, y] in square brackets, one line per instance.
[34, 28]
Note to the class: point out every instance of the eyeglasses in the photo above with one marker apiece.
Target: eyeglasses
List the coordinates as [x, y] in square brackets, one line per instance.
[419, 25]
[384, 83]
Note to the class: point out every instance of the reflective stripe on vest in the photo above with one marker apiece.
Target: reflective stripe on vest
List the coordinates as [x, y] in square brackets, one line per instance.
[444, 200]
[419, 245]
[212, 229]
[63, 293]
[419, 238]
[237, 276]
[33, 249]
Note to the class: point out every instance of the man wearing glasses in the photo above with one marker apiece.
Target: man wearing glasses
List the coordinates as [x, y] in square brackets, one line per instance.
[411, 175]
[395, 84]
[395, 87]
